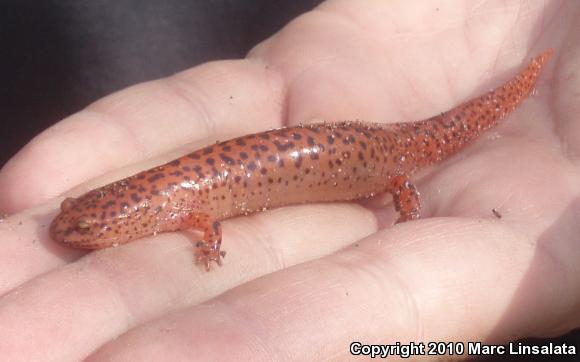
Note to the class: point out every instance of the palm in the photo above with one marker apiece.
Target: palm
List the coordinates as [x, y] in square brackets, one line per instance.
[468, 276]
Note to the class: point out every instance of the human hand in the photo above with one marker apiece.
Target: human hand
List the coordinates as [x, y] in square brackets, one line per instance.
[305, 281]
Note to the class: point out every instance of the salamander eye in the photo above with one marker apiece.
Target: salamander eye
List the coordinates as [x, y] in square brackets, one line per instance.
[83, 226]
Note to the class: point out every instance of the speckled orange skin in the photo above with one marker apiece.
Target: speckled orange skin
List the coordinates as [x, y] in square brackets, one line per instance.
[301, 164]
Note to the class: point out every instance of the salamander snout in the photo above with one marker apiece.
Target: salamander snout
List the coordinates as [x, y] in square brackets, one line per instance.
[73, 228]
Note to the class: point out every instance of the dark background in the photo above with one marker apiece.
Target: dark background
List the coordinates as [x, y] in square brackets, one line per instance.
[60, 55]
[57, 56]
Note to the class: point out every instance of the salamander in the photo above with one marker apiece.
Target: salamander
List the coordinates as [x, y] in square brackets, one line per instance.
[308, 163]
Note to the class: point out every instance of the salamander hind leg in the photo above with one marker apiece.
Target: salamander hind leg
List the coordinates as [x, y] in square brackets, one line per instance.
[406, 197]
[208, 249]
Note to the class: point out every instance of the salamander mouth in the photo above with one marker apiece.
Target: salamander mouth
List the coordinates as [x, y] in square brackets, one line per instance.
[102, 243]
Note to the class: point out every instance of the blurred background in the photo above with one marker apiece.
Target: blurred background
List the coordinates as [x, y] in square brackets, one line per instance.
[60, 55]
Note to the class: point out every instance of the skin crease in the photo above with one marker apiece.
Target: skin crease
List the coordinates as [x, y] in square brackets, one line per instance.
[294, 165]
[293, 286]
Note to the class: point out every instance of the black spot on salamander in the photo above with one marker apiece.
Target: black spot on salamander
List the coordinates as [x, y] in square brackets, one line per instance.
[264, 136]
[108, 204]
[227, 159]
[198, 170]
[155, 177]
[226, 148]
[237, 179]
[330, 139]
[210, 161]
[194, 156]
[124, 205]
[296, 136]
[272, 158]
[252, 166]
[175, 162]
[243, 155]
[264, 148]
[207, 150]
[363, 145]
[135, 197]
[176, 173]
[310, 141]
[263, 171]
[240, 142]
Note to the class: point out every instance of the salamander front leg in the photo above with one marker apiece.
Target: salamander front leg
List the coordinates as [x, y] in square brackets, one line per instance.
[208, 249]
[406, 197]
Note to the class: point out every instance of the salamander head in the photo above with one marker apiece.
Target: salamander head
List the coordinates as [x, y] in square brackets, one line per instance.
[99, 219]
[77, 226]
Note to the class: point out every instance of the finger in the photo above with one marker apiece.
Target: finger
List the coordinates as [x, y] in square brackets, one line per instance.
[26, 249]
[217, 99]
[435, 286]
[116, 289]
[566, 84]
[370, 69]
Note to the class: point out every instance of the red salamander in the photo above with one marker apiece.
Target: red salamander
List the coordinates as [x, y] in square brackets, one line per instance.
[301, 164]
